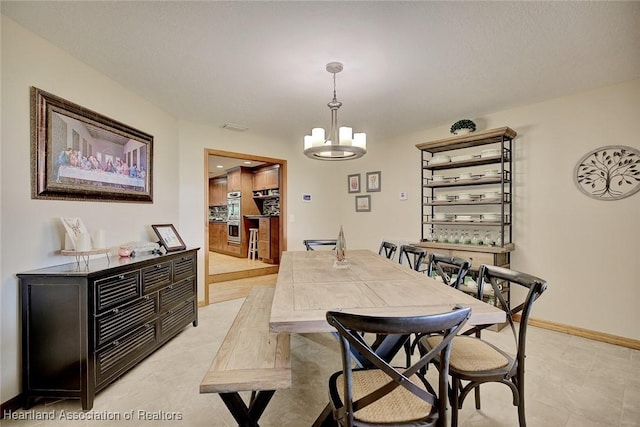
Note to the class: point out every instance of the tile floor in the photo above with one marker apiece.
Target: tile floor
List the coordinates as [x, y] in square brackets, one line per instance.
[571, 382]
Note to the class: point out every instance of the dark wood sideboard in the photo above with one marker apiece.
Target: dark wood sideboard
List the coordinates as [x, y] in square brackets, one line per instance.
[85, 326]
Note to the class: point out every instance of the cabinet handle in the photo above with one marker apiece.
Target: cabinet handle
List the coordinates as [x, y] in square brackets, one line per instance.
[115, 311]
[121, 276]
[158, 265]
[170, 287]
[147, 326]
[116, 343]
[146, 297]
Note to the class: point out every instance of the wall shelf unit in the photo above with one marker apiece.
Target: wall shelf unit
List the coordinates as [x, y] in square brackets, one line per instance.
[467, 198]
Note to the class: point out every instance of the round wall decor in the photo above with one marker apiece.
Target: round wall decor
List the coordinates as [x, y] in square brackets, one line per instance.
[609, 173]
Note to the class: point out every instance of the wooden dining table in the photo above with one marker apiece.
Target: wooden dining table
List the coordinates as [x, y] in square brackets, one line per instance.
[310, 283]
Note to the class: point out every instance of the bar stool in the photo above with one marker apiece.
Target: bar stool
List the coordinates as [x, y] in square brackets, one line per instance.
[253, 243]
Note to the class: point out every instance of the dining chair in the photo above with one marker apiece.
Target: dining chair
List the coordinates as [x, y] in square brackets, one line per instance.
[387, 249]
[476, 361]
[445, 266]
[378, 394]
[413, 255]
[310, 244]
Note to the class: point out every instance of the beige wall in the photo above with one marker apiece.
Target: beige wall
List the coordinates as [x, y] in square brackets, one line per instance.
[588, 250]
[31, 231]
[585, 248]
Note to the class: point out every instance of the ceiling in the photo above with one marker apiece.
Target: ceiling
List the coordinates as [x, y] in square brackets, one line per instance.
[220, 165]
[408, 66]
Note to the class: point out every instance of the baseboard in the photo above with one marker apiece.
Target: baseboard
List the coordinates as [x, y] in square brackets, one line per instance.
[11, 405]
[584, 333]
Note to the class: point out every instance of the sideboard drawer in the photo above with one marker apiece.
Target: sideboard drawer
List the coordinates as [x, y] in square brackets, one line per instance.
[177, 318]
[177, 293]
[115, 290]
[119, 320]
[116, 357]
[184, 267]
[156, 277]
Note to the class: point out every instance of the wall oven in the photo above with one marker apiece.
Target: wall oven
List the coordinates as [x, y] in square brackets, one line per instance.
[234, 230]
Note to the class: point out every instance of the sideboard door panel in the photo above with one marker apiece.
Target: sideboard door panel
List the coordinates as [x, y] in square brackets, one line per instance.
[52, 331]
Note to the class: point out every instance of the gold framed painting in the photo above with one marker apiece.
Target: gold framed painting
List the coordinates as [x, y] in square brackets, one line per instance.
[78, 154]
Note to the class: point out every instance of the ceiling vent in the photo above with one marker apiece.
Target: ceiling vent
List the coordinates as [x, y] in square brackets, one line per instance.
[231, 126]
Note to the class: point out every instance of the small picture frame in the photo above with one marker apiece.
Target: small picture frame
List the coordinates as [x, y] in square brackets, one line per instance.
[169, 237]
[363, 203]
[374, 181]
[354, 183]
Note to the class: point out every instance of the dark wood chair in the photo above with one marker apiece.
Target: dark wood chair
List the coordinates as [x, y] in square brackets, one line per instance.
[445, 266]
[475, 361]
[378, 394]
[312, 243]
[413, 255]
[387, 249]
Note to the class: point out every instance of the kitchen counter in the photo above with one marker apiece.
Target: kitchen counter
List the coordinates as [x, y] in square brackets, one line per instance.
[260, 216]
[218, 221]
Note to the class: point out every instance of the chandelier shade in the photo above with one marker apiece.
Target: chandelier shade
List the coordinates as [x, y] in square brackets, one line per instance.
[341, 143]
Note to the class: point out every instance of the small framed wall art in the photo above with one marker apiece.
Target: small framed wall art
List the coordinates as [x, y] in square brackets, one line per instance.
[354, 183]
[169, 237]
[363, 203]
[374, 181]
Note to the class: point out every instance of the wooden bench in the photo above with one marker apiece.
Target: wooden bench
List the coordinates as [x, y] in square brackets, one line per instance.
[251, 358]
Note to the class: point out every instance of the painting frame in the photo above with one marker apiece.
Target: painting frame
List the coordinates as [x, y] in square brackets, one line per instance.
[78, 154]
[363, 203]
[374, 181]
[169, 237]
[353, 183]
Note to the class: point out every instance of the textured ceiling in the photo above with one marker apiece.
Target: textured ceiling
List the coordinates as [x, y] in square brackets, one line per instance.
[408, 66]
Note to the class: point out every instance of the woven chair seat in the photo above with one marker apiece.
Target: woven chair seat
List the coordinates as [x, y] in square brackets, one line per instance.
[471, 354]
[399, 406]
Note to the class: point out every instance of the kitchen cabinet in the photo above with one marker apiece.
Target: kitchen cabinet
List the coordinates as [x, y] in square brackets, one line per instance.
[234, 179]
[83, 328]
[269, 239]
[217, 236]
[218, 191]
[266, 178]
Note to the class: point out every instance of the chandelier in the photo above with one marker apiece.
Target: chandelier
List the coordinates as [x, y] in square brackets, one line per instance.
[341, 143]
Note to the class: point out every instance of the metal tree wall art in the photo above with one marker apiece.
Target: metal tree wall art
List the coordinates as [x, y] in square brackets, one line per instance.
[609, 173]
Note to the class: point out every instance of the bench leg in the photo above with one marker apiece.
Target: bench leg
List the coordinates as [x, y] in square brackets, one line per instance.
[247, 416]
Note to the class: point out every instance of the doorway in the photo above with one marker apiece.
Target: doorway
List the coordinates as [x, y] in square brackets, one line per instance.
[225, 273]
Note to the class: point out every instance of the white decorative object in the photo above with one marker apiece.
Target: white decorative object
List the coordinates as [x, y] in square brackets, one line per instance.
[75, 227]
[99, 239]
[83, 242]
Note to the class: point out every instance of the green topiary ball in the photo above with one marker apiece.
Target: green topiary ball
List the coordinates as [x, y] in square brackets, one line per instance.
[463, 124]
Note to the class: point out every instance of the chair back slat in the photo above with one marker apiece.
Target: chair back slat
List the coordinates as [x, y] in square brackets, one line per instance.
[310, 244]
[387, 249]
[438, 263]
[535, 287]
[413, 255]
[351, 329]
